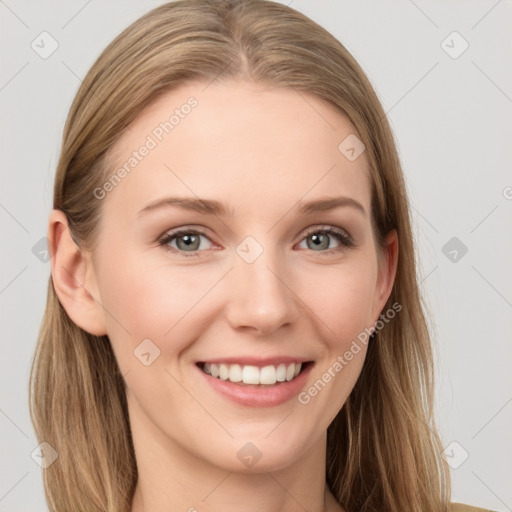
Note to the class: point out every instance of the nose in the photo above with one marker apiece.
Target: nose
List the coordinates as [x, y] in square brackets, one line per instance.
[261, 296]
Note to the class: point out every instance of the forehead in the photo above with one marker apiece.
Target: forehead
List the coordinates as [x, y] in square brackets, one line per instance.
[249, 145]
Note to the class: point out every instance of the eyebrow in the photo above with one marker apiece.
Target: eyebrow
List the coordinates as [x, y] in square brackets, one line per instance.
[214, 207]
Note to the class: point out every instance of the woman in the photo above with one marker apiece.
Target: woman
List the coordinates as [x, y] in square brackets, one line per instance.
[233, 316]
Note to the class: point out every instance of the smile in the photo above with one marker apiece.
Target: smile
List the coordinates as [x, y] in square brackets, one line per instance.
[250, 374]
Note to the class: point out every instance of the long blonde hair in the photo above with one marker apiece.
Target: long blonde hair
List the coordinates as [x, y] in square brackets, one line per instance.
[383, 450]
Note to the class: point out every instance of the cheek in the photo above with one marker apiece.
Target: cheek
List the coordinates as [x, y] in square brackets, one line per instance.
[341, 297]
[159, 301]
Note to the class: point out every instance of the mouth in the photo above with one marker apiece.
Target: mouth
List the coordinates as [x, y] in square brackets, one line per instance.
[253, 375]
[256, 382]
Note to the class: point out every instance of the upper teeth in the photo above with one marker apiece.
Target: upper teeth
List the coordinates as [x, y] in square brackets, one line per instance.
[252, 374]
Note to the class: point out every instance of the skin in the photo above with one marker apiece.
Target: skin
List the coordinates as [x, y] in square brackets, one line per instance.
[260, 151]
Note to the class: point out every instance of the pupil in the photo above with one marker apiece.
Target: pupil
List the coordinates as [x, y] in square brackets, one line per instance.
[318, 242]
[189, 241]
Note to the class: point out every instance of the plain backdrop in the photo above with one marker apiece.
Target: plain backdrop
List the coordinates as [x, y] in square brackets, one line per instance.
[443, 73]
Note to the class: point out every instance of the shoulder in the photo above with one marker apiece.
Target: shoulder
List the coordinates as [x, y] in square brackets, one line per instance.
[460, 507]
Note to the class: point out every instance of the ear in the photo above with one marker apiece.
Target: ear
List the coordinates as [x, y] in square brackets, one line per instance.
[388, 260]
[73, 277]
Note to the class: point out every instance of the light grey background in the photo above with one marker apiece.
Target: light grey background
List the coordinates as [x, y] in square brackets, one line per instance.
[452, 120]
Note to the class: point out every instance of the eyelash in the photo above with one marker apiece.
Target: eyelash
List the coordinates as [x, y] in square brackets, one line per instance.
[345, 239]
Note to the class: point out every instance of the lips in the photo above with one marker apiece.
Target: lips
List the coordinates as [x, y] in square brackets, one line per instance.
[256, 382]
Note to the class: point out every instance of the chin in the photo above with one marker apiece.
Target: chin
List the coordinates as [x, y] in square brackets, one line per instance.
[263, 452]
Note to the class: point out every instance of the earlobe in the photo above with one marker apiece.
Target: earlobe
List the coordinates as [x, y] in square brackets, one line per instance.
[387, 272]
[73, 277]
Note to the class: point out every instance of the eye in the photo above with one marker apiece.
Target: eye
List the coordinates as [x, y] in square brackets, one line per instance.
[187, 241]
[320, 239]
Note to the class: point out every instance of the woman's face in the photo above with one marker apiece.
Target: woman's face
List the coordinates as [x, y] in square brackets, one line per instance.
[251, 282]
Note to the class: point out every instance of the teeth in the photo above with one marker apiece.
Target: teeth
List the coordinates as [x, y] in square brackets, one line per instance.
[223, 372]
[268, 375]
[280, 373]
[290, 371]
[235, 373]
[250, 375]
